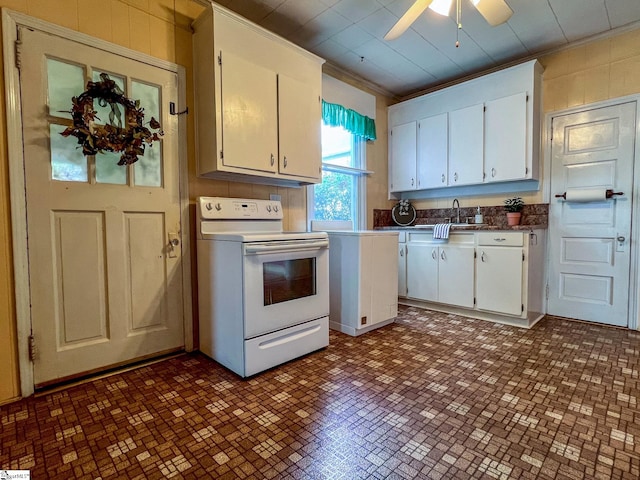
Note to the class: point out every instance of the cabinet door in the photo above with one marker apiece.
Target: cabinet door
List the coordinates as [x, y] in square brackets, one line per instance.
[433, 152]
[456, 276]
[499, 279]
[249, 115]
[422, 272]
[300, 118]
[403, 157]
[402, 270]
[505, 141]
[466, 139]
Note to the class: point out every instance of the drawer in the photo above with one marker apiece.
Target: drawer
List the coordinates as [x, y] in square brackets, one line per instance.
[505, 239]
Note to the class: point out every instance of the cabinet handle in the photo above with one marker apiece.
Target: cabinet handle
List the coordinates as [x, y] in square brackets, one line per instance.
[499, 239]
[482, 256]
[443, 178]
[402, 252]
[442, 255]
[493, 173]
[455, 177]
[434, 255]
[273, 160]
[412, 182]
[285, 161]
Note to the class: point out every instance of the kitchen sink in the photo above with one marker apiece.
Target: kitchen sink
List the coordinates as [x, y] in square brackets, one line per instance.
[457, 225]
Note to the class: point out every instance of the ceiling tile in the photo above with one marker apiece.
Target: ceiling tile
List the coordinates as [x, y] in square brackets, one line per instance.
[320, 28]
[378, 23]
[580, 19]
[622, 12]
[301, 11]
[352, 37]
[329, 49]
[356, 10]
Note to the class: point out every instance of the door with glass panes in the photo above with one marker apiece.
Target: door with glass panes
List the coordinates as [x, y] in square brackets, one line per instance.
[105, 278]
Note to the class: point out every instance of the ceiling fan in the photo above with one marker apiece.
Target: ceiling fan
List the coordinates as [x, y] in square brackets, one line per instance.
[495, 12]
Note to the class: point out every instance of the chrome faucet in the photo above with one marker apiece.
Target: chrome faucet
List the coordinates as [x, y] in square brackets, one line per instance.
[456, 202]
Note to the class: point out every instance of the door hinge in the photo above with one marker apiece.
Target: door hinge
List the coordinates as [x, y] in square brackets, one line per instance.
[546, 292]
[221, 155]
[484, 109]
[32, 348]
[526, 170]
[475, 254]
[522, 308]
[18, 50]
[220, 58]
[474, 300]
[527, 97]
[523, 256]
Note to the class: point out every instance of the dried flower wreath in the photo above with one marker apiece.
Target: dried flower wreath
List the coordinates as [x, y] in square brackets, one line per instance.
[129, 140]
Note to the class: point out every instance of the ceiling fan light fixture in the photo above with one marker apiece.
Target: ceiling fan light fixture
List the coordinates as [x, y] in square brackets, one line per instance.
[495, 12]
[442, 7]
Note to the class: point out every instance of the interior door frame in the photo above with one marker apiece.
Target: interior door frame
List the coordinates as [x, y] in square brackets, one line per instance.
[633, 311]
[10, 22]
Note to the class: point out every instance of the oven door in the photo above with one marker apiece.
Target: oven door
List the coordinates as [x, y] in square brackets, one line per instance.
[285, 283]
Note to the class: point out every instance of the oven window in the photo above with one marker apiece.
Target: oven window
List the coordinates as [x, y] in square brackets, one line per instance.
[289, 279]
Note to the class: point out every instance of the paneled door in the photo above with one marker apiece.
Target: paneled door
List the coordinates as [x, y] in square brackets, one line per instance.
[590, 241]
[103, 240]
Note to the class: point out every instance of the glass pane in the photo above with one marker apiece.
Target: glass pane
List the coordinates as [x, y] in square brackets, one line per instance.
[148, 168]
[288, 279]
[149, 96]
[64, 82]
[335, 197]
[108, 170]
[104, 112]
[67, 161]
[336, 146]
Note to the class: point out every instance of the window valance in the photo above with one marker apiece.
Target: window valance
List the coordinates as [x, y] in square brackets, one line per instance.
[336, 115]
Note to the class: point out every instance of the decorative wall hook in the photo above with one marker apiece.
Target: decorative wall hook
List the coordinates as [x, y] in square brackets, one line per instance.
[172, 109]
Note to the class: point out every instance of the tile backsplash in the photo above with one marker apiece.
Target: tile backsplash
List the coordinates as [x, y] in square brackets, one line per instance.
[536, 214]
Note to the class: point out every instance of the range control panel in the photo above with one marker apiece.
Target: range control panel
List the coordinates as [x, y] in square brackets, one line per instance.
[221, 208]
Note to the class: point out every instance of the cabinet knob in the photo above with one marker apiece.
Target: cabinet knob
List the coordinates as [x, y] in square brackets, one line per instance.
[442, 255]
[402, 252]
[482, 256]
[455, 177]
[412, 182]
[443, 178]
[273, 160]
[493, 173]
[285, 161]
[434, 255]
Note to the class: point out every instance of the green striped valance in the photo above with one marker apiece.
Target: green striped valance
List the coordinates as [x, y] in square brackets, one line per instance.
[336, 115]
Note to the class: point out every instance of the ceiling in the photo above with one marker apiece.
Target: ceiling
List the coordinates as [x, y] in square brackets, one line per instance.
[349, 34]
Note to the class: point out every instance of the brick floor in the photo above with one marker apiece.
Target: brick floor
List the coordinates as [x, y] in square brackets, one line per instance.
[431, 396]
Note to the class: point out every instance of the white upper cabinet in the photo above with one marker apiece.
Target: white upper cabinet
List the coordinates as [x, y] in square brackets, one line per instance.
[300, 128]
[505, 141]
[402, 157]
[492, 132]
[258, 103]
[433, 151]
[466, 133]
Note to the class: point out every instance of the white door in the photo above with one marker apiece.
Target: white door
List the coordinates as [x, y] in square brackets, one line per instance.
[403, 157]
[248, 113]
[499, 279]
[466, 141]
[590, 241]
[299, 132]
[433, 154]
[106, 286]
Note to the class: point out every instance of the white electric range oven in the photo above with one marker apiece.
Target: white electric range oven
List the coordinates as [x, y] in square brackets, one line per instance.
[263, 294]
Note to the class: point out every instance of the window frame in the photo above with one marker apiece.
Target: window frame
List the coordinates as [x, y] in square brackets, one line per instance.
[359, 155]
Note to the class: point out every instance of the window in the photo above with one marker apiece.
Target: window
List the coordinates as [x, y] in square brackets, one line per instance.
[341, 195]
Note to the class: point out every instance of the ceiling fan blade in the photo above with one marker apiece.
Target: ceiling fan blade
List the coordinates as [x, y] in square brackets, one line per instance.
[495, 12]
[407, 19]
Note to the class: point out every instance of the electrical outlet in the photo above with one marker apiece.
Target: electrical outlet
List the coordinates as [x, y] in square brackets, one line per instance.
[275, 197]
[363, 321]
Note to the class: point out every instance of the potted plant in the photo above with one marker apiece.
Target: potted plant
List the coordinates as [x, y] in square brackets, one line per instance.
[514, 207]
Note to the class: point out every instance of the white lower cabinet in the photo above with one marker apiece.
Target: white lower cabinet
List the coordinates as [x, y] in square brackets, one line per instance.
[402, 265]
[439, 271]
[491, 275]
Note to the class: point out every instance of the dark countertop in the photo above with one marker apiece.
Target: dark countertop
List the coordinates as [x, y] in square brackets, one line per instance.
[465, 228]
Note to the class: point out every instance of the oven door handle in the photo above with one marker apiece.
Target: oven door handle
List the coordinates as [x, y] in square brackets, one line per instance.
[275, 247]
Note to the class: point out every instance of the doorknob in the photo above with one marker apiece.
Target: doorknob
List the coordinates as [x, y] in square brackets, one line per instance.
[174, 241]
[620, 238]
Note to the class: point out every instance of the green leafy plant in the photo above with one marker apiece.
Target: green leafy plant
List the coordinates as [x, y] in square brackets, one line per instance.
[515, 204]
